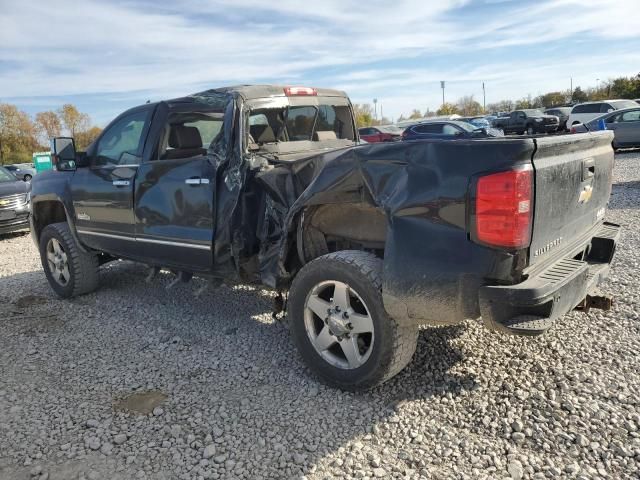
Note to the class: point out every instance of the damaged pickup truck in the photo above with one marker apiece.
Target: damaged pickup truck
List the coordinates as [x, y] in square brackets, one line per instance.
[364, 243]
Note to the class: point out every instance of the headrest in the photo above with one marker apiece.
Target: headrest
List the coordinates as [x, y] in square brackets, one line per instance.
[184, 137]
[324, 135]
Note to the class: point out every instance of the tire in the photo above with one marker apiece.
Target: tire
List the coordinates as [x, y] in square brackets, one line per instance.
[530, 130]
[27, 178]
[380, 354]
[81, 275]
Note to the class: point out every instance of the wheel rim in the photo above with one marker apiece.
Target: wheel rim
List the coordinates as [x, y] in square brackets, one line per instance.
[530, 131]
[339, 325]
[58, 262]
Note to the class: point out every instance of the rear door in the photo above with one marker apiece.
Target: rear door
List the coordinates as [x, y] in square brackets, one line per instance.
[102, 193]
[175, 191]
[573, 176]
[627, 128]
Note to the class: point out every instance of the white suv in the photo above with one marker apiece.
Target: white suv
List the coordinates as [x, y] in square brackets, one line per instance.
[585, 112]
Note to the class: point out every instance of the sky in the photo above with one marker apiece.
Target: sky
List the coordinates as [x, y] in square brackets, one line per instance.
[107, 56]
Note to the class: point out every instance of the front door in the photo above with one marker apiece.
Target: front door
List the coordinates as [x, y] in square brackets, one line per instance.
[175, 193]
[102, 193]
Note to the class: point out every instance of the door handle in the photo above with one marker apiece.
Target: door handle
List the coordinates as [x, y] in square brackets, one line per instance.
[197, 181]
[121, 183]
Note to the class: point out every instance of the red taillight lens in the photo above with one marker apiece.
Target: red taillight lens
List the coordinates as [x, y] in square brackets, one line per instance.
[504, 207]
[300, 92]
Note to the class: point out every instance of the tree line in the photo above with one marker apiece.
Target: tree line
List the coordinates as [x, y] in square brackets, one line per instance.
[21, 135]
[621, 87]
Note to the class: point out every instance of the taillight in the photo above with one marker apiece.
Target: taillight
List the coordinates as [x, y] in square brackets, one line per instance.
[300, 92]
[504, 208]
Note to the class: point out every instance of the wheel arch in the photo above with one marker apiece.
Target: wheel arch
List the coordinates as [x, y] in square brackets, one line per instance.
[322, 229]
[46, 211]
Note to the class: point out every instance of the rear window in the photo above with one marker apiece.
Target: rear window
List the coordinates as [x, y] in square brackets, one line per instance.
[587, 108]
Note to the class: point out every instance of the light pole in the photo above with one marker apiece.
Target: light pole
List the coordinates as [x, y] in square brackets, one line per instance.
[442, 86]
[375, 108]
[484, 99]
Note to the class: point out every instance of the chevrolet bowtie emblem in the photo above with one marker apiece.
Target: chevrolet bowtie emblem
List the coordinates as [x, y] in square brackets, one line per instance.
[585, 194]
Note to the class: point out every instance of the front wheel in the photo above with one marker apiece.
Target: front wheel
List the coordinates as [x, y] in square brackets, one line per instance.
[27, 178]
[530, 130]
[70, 271]
[339, 325]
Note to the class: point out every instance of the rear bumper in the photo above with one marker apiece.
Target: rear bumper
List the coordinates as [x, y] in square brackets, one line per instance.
[551, 293]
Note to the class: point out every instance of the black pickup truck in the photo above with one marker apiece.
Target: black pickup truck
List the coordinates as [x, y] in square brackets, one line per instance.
[362, 243]
[529, 121]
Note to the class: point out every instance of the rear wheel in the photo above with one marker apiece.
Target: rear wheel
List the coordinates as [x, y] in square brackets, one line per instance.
[27, 178]
[530, 130]
[340, 326]
[70, 271]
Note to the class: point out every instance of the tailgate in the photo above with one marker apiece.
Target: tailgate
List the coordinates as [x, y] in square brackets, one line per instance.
[573, 175]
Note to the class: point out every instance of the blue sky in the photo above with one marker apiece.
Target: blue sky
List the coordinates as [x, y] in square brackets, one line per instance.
[106, 56]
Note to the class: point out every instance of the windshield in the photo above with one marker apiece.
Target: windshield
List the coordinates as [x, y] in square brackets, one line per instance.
[624, 104]
[390, 129]
[533, 112]
[6, 176]
[469, 127]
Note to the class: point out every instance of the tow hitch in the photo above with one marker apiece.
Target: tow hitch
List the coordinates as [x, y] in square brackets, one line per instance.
[601, 302]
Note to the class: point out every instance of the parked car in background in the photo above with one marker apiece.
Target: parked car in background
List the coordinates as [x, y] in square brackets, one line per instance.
[637, 100]
[482, 122]
[563, 115]
[15, 196]
[585, 112]
[625, 125]
[24, 172]
[385, 133]
[529, 121]
[446, 130]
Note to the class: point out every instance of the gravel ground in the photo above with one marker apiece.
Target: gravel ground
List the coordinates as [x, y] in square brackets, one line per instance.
[137, 382]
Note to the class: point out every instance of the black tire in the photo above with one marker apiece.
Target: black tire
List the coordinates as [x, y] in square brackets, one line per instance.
[82, 267]
[27, 178]
[394, 345]
[530, 130]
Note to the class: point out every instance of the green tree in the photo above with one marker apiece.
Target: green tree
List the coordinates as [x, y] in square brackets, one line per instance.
[86, 138]
[447, 109]
[47, 125]
[364, 114]
[73, 120]
[579, 95]
[415, 114]
[553, 99]
[17, 135]
[468, 106]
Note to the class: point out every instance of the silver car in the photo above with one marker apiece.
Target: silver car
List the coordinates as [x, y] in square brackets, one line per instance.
[624, 123]
[24, 172]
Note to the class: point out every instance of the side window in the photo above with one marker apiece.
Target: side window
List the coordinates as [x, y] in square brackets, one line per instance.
[522, 116]
[605, 107]
[188, 134]
[633, 116]
[432, 128]
[122, 142]
[449, 130]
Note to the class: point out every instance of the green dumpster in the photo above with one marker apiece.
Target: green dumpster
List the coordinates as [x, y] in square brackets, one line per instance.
[42, 161]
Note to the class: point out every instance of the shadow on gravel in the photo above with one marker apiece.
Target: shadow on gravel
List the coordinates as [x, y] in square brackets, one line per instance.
[235, 368]
[625, 195]
[18, 234]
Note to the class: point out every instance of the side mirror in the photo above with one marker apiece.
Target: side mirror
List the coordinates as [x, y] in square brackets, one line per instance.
[64, 153]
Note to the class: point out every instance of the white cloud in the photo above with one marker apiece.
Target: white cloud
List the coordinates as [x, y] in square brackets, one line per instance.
[89, 47]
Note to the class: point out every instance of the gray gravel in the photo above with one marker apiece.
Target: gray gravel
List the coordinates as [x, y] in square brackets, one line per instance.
[136, 382]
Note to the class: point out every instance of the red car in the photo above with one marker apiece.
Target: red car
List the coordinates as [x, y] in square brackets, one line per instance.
[380, 134]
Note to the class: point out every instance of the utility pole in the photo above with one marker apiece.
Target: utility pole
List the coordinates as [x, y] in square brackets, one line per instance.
[571, 89]
[442, 86]
[484, 99]
[375, 108]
